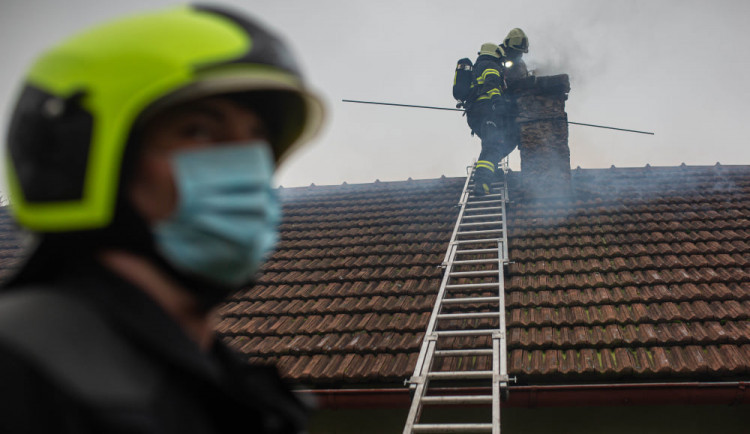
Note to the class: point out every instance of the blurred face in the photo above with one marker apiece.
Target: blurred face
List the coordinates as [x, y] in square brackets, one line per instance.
[514, 54]
[215, 121]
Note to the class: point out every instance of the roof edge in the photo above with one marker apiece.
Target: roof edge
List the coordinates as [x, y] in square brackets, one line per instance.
[692, 393]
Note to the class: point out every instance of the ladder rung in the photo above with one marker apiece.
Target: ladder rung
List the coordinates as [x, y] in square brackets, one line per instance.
[468, 315]
[472, 251]
[488, 231]
[475, 273]
[483, 202]
[477, 261]
[489, 208]
[454, 353]
[482, 215]
[458, 375]
[469, 399]
[466, 332]
[496, 183]
[488, 196]
[473, 285]
[471, 300]
[477, 241]
[480, 224]
[452, 427]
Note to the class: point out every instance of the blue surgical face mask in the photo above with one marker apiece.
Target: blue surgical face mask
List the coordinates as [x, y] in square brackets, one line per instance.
[227, 213]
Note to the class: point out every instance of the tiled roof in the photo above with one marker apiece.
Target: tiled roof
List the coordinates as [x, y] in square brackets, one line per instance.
[347, 295]
[643, 276]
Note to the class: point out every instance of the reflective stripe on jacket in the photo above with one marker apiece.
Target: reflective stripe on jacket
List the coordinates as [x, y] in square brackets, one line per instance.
[488, 78]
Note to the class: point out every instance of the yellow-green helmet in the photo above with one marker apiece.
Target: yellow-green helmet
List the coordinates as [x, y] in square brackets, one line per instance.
[81, 101]
[517, 40]
[489, 48]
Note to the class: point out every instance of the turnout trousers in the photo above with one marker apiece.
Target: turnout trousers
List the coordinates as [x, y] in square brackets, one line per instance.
[499, 135]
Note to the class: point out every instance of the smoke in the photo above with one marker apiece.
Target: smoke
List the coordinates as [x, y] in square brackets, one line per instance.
[646, 190]
[647, 183]
[580, 40]
[578, 65]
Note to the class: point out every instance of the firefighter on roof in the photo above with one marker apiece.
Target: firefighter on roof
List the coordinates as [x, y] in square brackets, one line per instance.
[490, 113]
[515, 45]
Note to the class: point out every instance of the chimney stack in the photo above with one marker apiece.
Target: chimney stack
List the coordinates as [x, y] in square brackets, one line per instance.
[545, 155]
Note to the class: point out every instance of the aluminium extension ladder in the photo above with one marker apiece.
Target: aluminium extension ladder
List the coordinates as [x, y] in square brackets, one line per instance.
[467, 321]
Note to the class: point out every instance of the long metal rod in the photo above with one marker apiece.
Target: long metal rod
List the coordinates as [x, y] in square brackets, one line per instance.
[404, 105]
[612, 128]
[461, 110]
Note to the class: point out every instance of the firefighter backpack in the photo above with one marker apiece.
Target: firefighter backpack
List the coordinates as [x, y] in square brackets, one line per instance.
[463, 79]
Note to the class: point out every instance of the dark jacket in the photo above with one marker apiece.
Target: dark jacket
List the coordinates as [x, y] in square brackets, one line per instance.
[489, 82]
[92, 354]
[516, 72]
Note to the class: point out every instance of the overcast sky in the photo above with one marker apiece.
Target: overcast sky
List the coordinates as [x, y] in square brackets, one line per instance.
[677, 68]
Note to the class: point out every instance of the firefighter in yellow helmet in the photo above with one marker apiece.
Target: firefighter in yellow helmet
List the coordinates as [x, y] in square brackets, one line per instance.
[490, 113]
[515, 45]
[141, 155]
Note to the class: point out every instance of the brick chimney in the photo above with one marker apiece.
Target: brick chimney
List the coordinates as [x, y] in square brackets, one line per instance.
[545, 155]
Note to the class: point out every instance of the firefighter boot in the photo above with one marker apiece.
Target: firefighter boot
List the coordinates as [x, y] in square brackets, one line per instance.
[483, 176]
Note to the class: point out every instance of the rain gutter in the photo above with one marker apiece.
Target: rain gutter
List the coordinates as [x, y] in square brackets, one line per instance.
[686, 393]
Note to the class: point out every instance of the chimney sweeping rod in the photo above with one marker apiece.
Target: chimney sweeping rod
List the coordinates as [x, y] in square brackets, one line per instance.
[461, 110]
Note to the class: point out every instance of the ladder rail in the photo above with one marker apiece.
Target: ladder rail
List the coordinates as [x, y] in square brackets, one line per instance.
[499, 346]
[503, 356]
[459, 219]
[450, 256]
[415, 409]
[505, 199]
[496, 344]
[419, 368]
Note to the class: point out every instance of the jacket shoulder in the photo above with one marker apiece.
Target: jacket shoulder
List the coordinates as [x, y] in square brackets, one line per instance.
[72, 345]
[484, 62]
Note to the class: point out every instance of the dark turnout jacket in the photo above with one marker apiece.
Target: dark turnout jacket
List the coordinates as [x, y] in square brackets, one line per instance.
[92, 354]
[489, 81]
